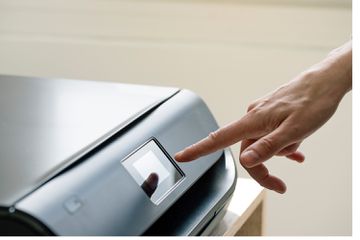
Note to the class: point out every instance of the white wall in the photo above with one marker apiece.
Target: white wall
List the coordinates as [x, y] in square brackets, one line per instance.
[229, 52]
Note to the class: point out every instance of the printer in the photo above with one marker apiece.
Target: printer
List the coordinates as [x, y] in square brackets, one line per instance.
[96, 158]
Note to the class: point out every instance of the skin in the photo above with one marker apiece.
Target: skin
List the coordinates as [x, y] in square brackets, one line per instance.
[277, 123]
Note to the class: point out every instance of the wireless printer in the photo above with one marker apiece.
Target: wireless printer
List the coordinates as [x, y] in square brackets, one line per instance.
[96, 158]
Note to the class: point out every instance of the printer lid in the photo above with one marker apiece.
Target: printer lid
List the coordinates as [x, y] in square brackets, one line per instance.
[45, 125]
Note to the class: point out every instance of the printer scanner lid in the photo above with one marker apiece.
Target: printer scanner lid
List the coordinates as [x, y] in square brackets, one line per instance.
[47, 124]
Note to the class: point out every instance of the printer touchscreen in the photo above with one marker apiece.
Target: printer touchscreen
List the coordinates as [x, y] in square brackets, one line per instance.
[153, 171]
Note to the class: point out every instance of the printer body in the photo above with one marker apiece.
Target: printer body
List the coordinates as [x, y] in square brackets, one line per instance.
[96, 158]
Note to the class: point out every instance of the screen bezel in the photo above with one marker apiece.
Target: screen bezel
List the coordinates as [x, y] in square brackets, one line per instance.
[164, 158]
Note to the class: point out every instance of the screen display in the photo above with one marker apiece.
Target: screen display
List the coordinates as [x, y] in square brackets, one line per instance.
[153, 170]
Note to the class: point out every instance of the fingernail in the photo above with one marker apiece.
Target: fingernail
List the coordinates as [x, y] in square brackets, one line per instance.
[250, 157]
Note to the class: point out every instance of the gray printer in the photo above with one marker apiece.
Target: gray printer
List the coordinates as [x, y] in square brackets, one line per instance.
[96, 158]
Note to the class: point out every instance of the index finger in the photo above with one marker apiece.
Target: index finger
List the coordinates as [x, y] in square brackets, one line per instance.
[219, 139]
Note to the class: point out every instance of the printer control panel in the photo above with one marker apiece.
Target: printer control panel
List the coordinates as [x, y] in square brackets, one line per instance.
[153, 170]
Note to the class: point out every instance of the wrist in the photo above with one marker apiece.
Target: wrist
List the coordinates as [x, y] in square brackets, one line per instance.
[333, 75]
[339, 62]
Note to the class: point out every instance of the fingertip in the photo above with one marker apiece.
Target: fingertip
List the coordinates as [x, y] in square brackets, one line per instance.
[301, 156]
[184, 156]
[280, 189]
[179, 156]
[278, 185]
[297, 156]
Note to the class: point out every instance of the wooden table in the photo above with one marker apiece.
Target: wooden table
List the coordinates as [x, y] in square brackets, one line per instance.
[244, 215]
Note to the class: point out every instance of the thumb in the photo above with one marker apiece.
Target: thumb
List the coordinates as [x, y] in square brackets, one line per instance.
[264, 148]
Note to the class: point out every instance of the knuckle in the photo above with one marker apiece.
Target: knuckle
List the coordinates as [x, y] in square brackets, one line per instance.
[290, 148]
[213, 136]
[295, 131]
[265, 176]
[251, 106]
[264, 181]
[269, 125]
[267, 146]
[255, 105]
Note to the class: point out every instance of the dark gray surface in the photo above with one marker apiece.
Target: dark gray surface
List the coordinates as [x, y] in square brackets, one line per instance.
[47, 123]
[98, 196]
[199, 210]
[111, 201]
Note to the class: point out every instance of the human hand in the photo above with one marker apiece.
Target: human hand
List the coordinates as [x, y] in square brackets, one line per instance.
[277, 123]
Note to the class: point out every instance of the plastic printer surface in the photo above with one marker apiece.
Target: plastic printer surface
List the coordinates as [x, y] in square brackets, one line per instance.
[95, 158]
